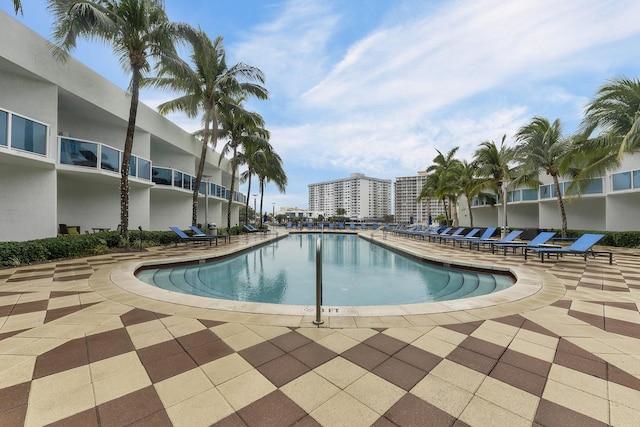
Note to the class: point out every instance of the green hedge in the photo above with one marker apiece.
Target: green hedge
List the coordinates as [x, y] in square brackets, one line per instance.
[622, 239]
[34, 251]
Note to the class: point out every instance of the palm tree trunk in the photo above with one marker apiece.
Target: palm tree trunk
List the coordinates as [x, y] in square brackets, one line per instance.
[246, 208]
[196, 189]
[234, 166]
[261, 199]
[126, 155]
[470, 212]
[563, 213]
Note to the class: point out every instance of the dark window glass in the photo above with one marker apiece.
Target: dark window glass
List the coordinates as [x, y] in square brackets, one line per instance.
[4, 117]
[78, 153]
[110, 159]
[161, 176]
[133, 166]
[28, 135]
[621, 181]
[144, 169]
[177, 179]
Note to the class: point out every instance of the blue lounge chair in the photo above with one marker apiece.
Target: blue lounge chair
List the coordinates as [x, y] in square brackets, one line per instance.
[198, 232]
[488, 232]
[582, 247]
[375, 226]
[186, 238]
[438, 232]
[341, 225]
[352, 226]
[251, 229]
[363, 226]
[289, 225]
[513, 235]
[470, 235]
[540, 239]
[445, 236]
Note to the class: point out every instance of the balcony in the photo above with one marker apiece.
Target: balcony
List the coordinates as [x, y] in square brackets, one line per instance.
[101, 158]
[24, 139]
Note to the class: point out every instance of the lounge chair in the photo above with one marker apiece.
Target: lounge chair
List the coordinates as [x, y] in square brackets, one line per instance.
[186, 238]
[582, 247]
[251, 229]
[513, 235]
[471, 234]
[437, 232]
[341, 225]
[352, 226]
[488, 232]
[540, 239]
[363, 226]
[289, 225]
[445, 236]
[197, 232]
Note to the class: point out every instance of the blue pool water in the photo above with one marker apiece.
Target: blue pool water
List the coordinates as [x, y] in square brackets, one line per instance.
[355, 272]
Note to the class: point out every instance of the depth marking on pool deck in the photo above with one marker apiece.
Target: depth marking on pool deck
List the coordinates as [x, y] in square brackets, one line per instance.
[324, 309]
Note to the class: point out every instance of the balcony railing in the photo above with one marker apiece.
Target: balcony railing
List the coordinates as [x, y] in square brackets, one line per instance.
[179, 179]
[625, 181]
[101, 157]
[23, 134]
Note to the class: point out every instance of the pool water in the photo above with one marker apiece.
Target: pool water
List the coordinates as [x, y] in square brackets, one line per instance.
[355, 272]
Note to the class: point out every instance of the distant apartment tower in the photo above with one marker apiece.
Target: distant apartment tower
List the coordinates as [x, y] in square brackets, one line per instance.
[361, 197]
[407, 189]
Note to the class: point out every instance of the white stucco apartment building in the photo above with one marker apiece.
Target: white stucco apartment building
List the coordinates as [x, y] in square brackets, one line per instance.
[406, 192]
[62, 131]
[362, 197]
[608, 203]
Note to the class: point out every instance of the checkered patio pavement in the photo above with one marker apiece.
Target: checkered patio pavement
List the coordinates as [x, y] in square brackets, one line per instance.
[77, 350]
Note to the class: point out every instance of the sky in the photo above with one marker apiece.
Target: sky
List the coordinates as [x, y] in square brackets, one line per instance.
[377, 86]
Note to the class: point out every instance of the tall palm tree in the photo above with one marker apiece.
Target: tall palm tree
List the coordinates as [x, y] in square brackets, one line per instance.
[269, 169]
[446, 169]
[17, 6]
[251, 157]
[615, 113]
[469, 184]
[204, 90]
[495, 170]
[138, 30]
[429, 191]
[542, 147]
[241, 128]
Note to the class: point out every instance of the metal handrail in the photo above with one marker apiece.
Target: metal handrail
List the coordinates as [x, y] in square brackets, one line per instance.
[318, 320]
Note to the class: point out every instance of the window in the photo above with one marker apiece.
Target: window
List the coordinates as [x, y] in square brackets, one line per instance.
[133, 165]
[28, 135]
[545, 191]
[161, 176]
[78, 153]
[636, 179]
[594, 186]
[177, 179]
[4, 117]
[186, 182]
[144, 169]
[110, 159]
[529, 194]
[621, 181]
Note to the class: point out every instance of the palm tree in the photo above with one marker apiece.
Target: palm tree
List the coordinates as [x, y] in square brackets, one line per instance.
[205, 89]
[138, 30]
[615, 113]
[469, 184]
[445, 171]
[241, 128]
[494, 169]
[253, 154]
[542, 147]
[269, 169]
[17, 6]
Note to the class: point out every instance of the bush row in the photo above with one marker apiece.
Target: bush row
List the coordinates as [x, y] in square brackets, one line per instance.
[622, 239]
[70, 246]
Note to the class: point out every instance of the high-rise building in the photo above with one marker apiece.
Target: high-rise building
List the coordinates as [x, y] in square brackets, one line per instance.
[360, 196]
[406, 190]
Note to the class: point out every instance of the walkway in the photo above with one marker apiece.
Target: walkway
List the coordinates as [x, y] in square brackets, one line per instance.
[77, 350]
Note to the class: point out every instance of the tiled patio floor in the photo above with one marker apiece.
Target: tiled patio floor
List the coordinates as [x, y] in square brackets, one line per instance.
[77, 350]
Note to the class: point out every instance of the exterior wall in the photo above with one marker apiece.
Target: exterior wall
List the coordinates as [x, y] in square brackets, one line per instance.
[38, 191]
[27, 202]
[170, 208]
[627, 210]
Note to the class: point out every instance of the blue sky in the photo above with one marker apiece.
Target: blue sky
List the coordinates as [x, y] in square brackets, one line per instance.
[376, 86]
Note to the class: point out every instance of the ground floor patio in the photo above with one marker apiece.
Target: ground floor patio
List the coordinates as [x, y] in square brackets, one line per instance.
[78, 349]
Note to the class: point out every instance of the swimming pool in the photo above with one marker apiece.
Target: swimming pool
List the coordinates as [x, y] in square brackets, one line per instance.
[355, 272]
